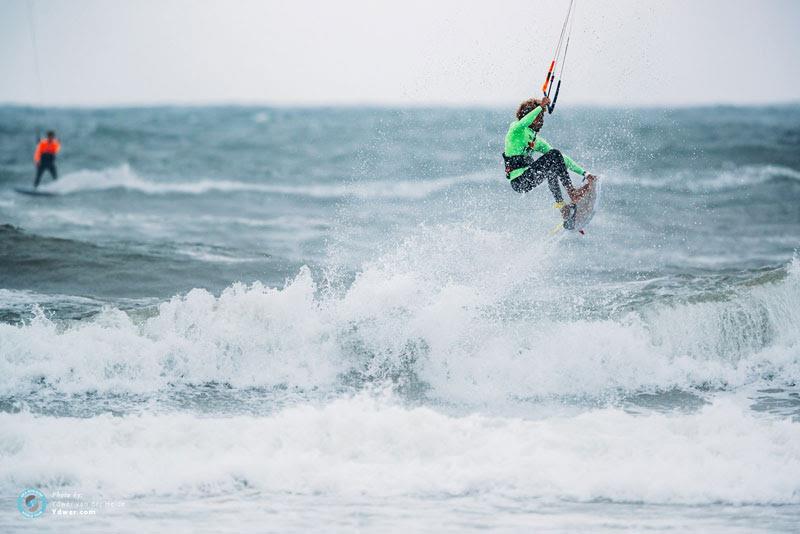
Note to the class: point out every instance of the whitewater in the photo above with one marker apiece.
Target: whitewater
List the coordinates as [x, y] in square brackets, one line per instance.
[364, 332]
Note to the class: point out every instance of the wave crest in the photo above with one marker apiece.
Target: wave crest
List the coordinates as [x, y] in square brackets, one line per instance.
[123, 177]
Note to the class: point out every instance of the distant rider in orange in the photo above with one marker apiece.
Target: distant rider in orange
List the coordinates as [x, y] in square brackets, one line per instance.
[45, 157]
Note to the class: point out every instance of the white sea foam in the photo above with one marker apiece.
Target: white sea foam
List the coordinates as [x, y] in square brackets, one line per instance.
[417, 310]
[123, 177]
[261, 117]
[702, 180]
[746, 176]
[365, 446]
[212, 255]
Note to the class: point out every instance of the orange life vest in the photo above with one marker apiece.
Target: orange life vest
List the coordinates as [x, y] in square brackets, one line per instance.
[46, 146]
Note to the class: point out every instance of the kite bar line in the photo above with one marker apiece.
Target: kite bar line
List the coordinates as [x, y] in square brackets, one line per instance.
[552, 105]
[32, 25]
[558, 59]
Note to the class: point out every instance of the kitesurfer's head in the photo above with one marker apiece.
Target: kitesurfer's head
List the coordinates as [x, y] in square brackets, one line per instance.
[528, 106]
[51, 134]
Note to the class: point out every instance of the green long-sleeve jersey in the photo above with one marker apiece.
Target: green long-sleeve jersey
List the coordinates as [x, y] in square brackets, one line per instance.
[521, 140]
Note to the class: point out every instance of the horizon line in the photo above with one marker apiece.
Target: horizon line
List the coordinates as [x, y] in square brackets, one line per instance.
[383, 105]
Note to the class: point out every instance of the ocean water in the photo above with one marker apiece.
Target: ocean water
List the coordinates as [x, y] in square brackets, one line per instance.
[234, 319]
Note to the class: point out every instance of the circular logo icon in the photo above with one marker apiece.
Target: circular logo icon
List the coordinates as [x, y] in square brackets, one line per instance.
[31, 503]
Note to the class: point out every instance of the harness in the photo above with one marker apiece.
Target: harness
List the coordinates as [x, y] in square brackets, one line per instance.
[519, 161]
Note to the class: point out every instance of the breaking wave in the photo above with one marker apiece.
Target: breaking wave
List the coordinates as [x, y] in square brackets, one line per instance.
[398, 323]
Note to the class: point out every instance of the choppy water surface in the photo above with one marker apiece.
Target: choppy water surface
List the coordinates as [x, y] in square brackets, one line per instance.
[294, 319]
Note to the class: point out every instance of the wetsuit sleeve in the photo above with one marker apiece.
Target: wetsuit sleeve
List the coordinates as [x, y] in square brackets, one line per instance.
[37, 155]
[57, 147]
[528, 119]
[544, 147]
[571, 165]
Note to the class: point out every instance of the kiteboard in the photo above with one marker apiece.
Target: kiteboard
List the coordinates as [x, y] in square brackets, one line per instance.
[34, 192]
[583, 207]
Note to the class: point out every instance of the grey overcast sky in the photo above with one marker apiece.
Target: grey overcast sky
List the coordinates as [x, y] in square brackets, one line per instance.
[638, 52]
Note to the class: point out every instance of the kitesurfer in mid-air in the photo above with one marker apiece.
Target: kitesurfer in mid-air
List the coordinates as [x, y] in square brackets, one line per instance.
[524, 172]
[45, 157]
